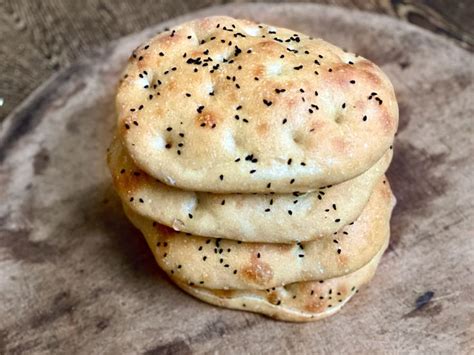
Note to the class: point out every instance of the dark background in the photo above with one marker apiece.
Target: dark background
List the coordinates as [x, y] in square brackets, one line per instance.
[40, 37]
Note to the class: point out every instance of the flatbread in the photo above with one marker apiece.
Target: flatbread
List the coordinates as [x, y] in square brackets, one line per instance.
[227, 264]
[245, 217]
[224, 105]
[297, 302]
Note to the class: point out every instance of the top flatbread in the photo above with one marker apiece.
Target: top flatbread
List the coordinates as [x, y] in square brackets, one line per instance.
[226, 105]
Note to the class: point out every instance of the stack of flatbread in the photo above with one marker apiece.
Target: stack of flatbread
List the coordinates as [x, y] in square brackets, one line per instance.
[252, 158]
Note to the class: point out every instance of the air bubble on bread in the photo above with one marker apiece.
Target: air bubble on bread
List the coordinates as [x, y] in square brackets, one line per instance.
[252, 31]
[158, 142]
[228, 142]
[142, 82]
[274, 69]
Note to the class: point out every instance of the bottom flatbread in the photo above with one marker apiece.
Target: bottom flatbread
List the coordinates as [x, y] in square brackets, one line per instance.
[296, 302]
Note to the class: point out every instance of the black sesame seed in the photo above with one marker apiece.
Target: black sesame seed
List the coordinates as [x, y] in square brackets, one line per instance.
[190, 215]
[352, 81]
[221, 177]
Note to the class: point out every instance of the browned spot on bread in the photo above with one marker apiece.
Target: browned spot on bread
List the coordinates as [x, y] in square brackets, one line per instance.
[291, 102]
[387, 121]
[164, 231]
[270, 46]
[262, 129]
[272, 297]
[223, 293]
[207, 118]
[259, 71]
[129, 181]
[258, 272]
[343, 259]
[339, 145]
[315, 305]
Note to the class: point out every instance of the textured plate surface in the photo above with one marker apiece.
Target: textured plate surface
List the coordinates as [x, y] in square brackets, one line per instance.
[75, 277]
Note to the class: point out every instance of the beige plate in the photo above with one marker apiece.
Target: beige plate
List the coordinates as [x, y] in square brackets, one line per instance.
[75, 277]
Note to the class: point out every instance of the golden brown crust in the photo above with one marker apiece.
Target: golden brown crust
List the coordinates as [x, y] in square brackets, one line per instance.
[200, 98]
[297, 302]
[246, 217]
[221, 263]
